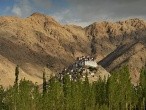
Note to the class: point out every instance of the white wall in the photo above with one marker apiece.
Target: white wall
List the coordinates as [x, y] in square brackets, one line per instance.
[91, 63]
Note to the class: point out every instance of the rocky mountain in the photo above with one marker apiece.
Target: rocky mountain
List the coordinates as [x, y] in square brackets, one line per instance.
[120, 43]
[38, 43]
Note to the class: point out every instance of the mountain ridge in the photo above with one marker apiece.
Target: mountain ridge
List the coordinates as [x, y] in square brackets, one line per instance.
[39, 42]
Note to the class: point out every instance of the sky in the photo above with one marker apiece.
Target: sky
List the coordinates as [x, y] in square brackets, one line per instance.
[79, 12]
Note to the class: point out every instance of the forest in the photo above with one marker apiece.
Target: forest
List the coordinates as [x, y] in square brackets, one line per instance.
[116, 93]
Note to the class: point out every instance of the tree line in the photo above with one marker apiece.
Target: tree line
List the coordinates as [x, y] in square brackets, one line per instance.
[116, 93]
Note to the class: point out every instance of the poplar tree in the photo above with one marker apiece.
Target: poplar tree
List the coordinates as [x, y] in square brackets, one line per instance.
[2, 92]
[26, 96]
[86, 92]
[67, 92]
[16, 75]
[44, 83]
[125, 87]
[114, 97]
[143, 87]
[101, 92]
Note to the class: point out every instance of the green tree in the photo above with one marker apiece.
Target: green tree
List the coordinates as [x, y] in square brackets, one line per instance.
[101, 92]
[26, 96]
[16, 75]
[143, 88]
[2, 96]
[120, 89]
[44, 83]
[11, 98]
[67, 92]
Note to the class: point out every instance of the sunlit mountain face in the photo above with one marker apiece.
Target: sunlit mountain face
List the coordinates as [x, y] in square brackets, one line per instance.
[39, 42]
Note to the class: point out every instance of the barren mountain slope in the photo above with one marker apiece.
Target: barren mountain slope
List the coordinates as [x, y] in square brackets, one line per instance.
[35, 43]
[121, 42]
[38, 42]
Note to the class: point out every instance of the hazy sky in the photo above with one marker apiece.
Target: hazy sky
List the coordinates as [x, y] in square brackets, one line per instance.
[80, 12]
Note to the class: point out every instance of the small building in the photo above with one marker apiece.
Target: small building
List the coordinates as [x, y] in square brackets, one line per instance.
[92, 64]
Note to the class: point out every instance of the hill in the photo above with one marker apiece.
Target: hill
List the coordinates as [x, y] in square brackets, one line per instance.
[39, 43]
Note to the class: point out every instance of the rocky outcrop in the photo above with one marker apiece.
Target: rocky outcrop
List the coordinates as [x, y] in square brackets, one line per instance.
[83, 67]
